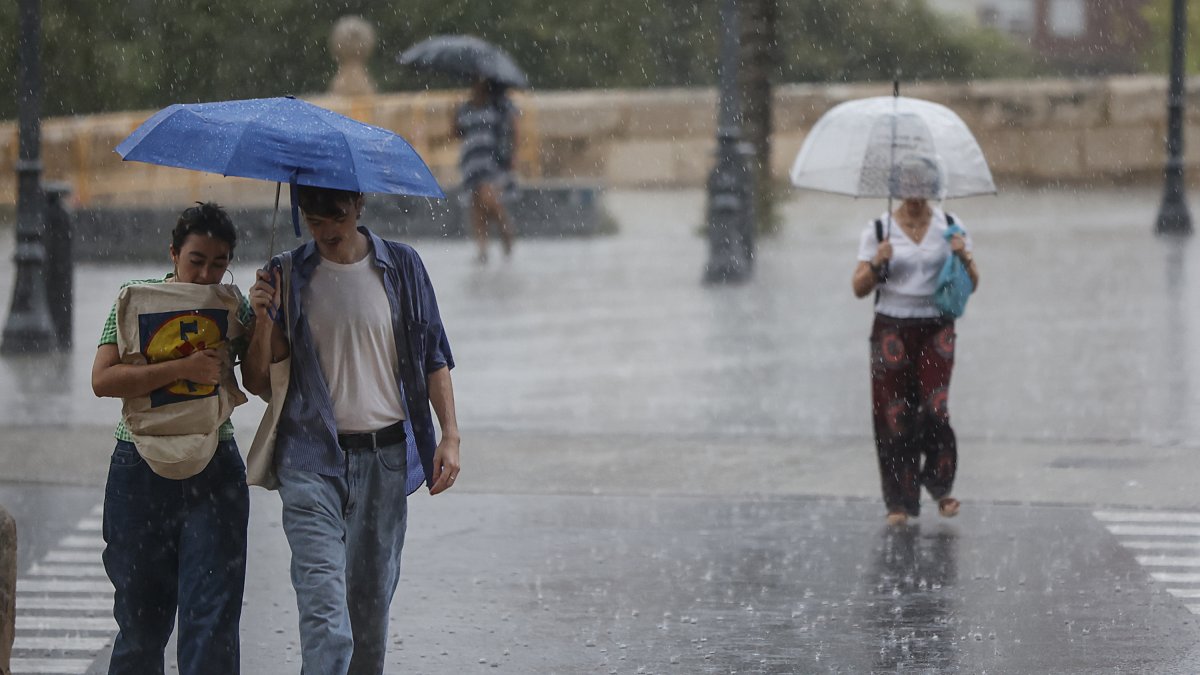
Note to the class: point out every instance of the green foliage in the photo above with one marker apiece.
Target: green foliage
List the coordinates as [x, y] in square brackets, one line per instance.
[103, 55]
[1157, 51]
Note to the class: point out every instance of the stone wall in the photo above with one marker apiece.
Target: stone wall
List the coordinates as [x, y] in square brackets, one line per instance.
[1095, 130]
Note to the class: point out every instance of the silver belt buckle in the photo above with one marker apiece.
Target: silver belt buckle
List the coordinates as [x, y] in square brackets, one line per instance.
[374, 441]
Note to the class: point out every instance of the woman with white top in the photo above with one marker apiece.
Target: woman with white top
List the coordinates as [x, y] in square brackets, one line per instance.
[912, 342]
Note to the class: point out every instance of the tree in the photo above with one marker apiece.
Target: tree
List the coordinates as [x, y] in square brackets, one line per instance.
[1156, 53]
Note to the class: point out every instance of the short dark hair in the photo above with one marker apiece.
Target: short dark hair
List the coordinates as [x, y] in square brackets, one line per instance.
[325, 202]
[207, 218]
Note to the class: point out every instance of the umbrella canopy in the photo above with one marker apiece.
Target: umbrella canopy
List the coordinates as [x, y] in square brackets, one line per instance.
[468, 56]
[283, 140]
[892, 146]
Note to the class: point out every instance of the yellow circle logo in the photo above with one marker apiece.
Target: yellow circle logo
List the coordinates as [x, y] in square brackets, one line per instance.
[179, 336]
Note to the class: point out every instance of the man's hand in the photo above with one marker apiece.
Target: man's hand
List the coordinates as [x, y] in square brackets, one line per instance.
[445, 465]
[265, 297]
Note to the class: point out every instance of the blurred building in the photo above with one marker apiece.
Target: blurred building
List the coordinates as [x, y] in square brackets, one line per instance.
[1081, 37]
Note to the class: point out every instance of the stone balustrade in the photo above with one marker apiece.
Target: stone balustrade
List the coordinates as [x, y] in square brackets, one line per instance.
[1099, 131]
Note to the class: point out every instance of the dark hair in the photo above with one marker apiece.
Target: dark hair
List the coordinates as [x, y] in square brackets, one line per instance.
[206, 218]
[325, 202]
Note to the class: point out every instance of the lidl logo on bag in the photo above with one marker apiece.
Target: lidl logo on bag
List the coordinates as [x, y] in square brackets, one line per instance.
[166, 336]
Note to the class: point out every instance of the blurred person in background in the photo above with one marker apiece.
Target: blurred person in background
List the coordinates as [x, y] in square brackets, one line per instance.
[487, 125]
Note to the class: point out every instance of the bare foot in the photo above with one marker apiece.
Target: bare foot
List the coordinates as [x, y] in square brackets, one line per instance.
[948, 507]
[897, 519]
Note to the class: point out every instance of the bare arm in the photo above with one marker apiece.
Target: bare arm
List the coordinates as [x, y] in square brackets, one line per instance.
[959, 246]
[445, 458]
[111, 378]
[267, 342]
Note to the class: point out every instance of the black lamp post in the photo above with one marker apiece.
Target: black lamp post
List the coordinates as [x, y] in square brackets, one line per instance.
[730, 200]
[28, 328]
[1173, 215]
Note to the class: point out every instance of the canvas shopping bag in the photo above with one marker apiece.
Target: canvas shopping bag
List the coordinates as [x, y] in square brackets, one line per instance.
[260, 461]
[176, 428]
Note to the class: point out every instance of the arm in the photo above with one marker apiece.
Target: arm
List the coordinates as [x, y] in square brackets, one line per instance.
[445, 458]
[111, 378]
[959, 246]
[267, 342]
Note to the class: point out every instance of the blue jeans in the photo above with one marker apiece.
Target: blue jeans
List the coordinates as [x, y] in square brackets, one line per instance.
[176, 545]
[346, 533]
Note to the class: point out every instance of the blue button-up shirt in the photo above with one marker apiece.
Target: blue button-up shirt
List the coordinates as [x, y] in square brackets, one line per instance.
[307, 432]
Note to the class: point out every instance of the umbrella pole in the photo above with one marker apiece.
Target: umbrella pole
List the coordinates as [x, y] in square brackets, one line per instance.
[274, 217]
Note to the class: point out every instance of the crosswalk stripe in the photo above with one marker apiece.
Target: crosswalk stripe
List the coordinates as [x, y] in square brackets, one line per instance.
[62, 643]
[1176, 577]
[60, 586]
[68, 571]
[1147, 516]
[1168, 561]
[1162, 545]
[104, 624]
[51, 666]
[84, 603]
[81, 541]
[1185, 593]
[89, 525]
[1154, 530]
[72, 557]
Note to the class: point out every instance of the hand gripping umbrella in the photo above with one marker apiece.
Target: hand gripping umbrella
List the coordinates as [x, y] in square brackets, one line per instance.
[465, 55]
[283, 140]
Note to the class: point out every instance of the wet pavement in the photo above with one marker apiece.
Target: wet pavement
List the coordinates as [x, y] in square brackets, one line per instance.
[673, 478]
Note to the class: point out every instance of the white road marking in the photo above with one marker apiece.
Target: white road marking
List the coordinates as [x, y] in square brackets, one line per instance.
[82, 603]
[1161, 539]
[50, 666]
[73, 624]
[69, 581]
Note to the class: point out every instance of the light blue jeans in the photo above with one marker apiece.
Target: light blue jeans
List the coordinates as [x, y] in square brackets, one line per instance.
[346, 534]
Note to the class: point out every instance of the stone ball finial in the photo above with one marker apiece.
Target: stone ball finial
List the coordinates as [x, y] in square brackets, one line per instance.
[351, 43]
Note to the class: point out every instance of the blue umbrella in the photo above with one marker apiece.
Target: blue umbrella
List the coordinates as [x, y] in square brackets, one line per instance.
[283, 140]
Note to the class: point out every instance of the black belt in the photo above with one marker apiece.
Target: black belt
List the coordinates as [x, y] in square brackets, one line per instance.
[373, 439]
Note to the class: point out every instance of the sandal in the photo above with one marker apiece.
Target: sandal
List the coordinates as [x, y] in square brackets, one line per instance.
[897, 519]
[948, 507]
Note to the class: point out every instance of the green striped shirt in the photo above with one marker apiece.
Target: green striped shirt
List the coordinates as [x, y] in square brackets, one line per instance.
[108, 336]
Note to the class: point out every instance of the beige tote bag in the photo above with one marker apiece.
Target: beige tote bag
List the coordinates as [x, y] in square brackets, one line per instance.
[176, 428]
[260, 461]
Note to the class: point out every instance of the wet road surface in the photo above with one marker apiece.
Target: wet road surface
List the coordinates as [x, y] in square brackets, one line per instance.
[648, 455]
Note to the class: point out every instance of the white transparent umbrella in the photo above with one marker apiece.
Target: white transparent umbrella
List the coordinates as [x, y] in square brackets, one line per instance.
[862, 148]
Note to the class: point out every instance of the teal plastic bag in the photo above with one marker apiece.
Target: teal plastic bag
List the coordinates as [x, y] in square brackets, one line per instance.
[953, 283]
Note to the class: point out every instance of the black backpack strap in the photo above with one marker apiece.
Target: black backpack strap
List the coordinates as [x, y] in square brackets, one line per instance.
[949, 219]
[878, 238]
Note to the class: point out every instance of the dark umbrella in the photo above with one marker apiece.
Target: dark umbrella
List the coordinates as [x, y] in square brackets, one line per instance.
[465, 55]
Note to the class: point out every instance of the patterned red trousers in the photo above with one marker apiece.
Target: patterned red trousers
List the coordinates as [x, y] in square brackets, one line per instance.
[911, 362]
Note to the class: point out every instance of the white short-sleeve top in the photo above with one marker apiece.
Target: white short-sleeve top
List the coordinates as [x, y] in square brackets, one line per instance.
[914, 269]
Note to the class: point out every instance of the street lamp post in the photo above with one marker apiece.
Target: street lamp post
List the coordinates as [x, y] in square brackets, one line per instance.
[730, 202]
[1173, 215]
[28, 328]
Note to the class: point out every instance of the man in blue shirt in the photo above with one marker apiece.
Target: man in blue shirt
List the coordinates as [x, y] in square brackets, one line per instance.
[356, 437]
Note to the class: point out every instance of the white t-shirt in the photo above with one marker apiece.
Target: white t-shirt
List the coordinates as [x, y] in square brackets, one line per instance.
[351, 323]
[914, 269]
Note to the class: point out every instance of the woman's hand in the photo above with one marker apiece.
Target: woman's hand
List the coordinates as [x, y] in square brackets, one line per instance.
[883, 255]
[958, 245]
[203, 367]
[265, 297]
